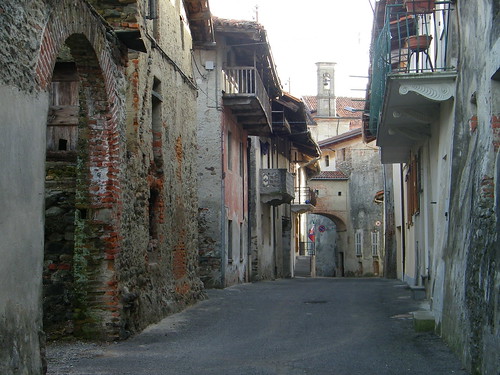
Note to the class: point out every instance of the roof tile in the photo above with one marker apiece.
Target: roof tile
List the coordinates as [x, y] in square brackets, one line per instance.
[330, 175]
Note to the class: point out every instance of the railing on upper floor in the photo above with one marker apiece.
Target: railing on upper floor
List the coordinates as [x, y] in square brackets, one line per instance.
[246, 81]
[305, 195]
[410, 42]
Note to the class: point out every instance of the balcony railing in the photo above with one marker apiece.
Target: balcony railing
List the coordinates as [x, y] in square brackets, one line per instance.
[305, 195]
[276, 186]
[307, 248]
[246, 81]
[409, 42]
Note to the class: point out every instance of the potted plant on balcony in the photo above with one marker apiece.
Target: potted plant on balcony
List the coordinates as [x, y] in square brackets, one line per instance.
[418, 43]
[419, 6]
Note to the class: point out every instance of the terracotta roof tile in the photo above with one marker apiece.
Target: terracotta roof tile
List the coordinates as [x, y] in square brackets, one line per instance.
[347, 136]
[311, 103]
[342, 102]
[356, 103]
[330, 175]
[238, 24]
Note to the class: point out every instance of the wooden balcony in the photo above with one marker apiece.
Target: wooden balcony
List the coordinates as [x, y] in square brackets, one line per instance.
[244, 92]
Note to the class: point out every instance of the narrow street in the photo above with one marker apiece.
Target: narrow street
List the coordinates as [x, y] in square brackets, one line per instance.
[308, 326]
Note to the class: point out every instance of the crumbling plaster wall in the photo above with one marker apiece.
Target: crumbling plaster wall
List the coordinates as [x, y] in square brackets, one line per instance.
[471, 319]
[210, 170]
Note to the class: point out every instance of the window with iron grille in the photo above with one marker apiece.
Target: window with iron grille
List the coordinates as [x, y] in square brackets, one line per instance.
[230, 241]
[358, 242]
[375, 240]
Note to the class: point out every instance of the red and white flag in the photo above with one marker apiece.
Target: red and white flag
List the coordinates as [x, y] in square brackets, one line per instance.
[311, 234]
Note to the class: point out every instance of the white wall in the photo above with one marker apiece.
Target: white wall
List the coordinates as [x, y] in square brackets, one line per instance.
[22, 179]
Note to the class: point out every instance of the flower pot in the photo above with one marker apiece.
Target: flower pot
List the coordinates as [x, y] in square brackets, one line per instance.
[419, 6]
[417, 43]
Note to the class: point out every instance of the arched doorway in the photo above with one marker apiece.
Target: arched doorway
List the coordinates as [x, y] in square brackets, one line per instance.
[330, 243]
[81, 195]
[325, 245]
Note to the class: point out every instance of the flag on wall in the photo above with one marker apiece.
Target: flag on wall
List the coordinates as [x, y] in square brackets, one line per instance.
[311, 234]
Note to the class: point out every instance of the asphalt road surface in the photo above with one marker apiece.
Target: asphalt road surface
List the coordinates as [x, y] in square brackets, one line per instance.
[321, 326]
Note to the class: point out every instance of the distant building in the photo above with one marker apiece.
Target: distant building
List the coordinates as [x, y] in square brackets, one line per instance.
[350, 242]
[252, 139]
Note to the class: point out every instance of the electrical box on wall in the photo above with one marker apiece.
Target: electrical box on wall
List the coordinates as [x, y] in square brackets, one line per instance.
[209, 65]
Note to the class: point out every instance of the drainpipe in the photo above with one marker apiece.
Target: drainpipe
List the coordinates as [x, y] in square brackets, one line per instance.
[223, 214]
[403, 224]
[249, 212]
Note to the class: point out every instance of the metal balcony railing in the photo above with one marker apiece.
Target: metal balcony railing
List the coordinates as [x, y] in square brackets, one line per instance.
[413, 41]
[307, 248]
[246, 81]
[305, 196]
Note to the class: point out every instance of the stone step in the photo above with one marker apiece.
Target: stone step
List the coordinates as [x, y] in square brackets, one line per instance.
[303, 266]
[423, 321]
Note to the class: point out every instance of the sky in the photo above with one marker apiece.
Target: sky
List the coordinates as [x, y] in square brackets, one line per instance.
[303, 32]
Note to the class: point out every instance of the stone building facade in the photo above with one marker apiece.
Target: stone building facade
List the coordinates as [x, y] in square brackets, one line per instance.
[347, 221]
[100, 118]
[436, 122]
[245, 148]
[352, 242]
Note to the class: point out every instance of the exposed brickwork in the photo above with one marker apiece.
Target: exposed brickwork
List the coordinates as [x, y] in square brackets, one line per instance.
[487, 192]
[99, 190]
[120, 164]
[473, 124]
[495, 127]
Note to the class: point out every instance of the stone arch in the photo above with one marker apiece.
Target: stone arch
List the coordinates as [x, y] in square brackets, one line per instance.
[339, 220]
[99, 61]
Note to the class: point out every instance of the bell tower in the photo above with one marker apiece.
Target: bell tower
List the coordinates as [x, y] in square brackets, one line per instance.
[326, 89]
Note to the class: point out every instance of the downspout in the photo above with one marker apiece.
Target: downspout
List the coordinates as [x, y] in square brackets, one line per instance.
[249, 213]
[403, 224]
[223, 242]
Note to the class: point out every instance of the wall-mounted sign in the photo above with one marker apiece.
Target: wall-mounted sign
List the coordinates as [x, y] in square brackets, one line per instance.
[322, 228]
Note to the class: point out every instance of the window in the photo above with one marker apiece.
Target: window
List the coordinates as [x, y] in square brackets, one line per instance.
[358, 242]
[181, 22]
[156, 121]
[230, 241]
[229, 151]
[413, 187]
[327, 161]
[242, 243]
[375, 240]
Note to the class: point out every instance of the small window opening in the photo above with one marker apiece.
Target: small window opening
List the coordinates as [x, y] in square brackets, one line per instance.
[83, 213]
[229, 151]
[229, 241]
[63, 145]
[242, 244]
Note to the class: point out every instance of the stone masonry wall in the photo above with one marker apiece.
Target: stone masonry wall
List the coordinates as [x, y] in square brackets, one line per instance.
[471, 319]
[135, 190]
[157, 271]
